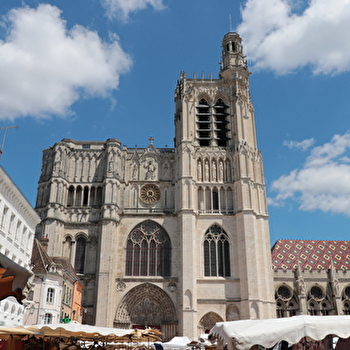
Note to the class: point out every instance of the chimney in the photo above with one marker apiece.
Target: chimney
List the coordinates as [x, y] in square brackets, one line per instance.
[44, 243]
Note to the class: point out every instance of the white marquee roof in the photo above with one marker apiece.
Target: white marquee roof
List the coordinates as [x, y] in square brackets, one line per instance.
[242, 335]
[81, 331]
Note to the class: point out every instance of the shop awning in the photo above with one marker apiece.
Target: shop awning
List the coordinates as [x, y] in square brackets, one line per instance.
[83, 331]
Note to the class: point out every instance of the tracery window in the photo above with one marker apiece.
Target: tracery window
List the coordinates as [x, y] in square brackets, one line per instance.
[216, 252]
[318, 302]
[346, 300]
[148, 251]
[285, 302]
[346, 308]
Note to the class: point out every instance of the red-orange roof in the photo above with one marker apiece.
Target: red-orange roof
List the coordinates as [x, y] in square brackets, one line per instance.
[311, 255]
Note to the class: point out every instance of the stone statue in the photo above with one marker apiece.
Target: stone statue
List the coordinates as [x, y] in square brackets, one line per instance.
[151, 168]
[301, 286]
[214, 170]
[134, 172]
[221, 171]
[199, 171]
[206, 170]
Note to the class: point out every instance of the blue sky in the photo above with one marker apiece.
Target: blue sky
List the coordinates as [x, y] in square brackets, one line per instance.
[92, 70]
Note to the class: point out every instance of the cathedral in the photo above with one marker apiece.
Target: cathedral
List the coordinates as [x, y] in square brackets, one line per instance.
[172, 238]
[178, 238]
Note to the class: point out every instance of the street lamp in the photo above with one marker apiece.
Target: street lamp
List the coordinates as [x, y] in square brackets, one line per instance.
[32, 309]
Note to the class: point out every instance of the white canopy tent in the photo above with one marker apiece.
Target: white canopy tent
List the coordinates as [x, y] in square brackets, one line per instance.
[177, 343]
[82, 331]
[6, 332]
[242, 335]
[73, 329]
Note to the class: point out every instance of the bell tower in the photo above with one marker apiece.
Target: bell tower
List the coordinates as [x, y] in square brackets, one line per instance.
[221, 198]
[232, 52]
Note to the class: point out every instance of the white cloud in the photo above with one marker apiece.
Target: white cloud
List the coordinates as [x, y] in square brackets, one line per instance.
[323, 183]
[123, 8]
[45, 68]
[278, 38]
[303, 145]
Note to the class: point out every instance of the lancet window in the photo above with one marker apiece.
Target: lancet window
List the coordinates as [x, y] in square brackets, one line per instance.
[221, 123]
[204, 123]
[212, 123]
[80, 249]
[148, 251]
[216, 253]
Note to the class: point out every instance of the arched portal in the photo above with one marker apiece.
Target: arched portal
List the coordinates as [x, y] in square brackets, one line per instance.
[147, 305]
[208, 321]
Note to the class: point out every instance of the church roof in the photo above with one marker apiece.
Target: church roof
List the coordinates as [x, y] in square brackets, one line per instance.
[311, 255]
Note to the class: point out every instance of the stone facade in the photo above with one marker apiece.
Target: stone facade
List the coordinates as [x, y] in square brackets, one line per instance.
[311, 277]
[173, 238]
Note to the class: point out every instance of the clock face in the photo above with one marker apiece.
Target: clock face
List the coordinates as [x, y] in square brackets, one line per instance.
[150, 194]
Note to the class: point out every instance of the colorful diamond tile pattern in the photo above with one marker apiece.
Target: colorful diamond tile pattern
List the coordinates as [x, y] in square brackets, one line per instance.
[311, 255]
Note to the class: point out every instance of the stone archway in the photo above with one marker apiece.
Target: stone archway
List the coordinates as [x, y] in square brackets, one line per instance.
[208, 321]
[147, 305]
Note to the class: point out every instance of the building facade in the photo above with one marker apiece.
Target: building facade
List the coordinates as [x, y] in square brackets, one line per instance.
[56, 291]
[171, 238]
[311, 277]
[17, 227]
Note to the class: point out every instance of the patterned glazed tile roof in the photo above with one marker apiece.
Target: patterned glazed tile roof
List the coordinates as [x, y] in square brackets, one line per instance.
[312, 255]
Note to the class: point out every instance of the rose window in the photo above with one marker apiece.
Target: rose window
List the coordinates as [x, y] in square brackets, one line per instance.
[150, 193]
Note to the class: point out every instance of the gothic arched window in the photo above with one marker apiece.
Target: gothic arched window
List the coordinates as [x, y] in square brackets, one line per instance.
[285, 301]
[80, 255]
[346, 300]
[70, 200]
[148, 251]
[204, 127]
[319, 303]
[221, 123]
[216, 252]
[78, 196]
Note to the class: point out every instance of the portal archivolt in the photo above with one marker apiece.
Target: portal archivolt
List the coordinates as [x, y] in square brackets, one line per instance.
[146, 305]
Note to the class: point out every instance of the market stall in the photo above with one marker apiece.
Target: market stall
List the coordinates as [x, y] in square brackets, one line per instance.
[177, 343]
[243, 335]
[64, 336]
